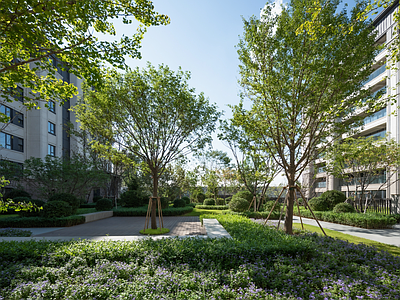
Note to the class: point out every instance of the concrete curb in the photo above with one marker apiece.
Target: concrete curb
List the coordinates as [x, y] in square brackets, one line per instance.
[97, 216]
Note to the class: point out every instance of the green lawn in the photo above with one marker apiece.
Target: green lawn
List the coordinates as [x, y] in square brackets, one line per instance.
[82, 211]
[352, 239]
[199, 212]
[8, 216]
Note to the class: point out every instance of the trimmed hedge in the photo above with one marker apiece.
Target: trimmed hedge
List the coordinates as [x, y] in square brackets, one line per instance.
[17, 193]
[344, 208]
[69, 198]
[104, 204]
[88, 205]
[319, 204]
[26, 222]
[369, 220]
[209, 201]
[179, 203]
[57, 209]
[254, 215]
[216, 207]
[187, 199]
[33, 213]
[333, 197]
[141, 211]
[238, 205]
[244, 195]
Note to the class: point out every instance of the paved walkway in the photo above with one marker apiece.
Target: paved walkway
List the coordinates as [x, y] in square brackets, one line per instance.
[127, 228]
[386, 236]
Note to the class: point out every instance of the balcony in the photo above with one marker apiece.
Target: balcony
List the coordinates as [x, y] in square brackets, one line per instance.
[375, 116]
[376, 73]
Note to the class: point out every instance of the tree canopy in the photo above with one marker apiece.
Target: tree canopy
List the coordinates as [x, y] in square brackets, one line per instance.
[303, 86]
[38, 37]
[152, 113]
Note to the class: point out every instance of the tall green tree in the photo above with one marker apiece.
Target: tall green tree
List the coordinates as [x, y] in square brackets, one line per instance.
[303, 87]
[37, 37]
[152, 113]
[360, 161]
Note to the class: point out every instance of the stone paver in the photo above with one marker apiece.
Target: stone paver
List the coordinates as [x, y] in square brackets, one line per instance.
[128, 226]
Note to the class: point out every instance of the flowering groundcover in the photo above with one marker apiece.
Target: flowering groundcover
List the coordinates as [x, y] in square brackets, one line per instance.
[258, 263]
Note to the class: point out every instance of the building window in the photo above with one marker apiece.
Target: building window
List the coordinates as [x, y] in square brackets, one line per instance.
[377, 134]
[321, 184]
[17, 93]
[16, 117]
[51, 150]
[320, 169]
[52, 106]
[51, 128]
[11, 142]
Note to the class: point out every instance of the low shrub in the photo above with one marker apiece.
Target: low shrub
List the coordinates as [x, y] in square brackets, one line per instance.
[238, 205]
[215, 207]
[179, 203]
[88, 205]
[253, 215]
[227, 200]
[142, 211]
[200, 197]
[104, 204]
[318, 204]
[56, 209]
[134, 198]
[220, 201]
[268, 206]
[209, 201]
[28, 222]
[244, 195]
[396, 217]
[164, 202]
[96, 198]
[332, 198]
[69, 198]
[11, 232]
[368, 220]
[344, 208]
[34, 212]
[187, 199]
[17, 193]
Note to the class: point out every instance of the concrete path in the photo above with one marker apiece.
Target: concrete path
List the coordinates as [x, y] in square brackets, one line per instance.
[127, 228]
[386, 236]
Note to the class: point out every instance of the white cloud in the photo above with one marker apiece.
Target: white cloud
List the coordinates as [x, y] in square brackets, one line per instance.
[276, 8]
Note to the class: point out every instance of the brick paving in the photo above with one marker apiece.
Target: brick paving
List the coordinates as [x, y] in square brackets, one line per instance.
[129, 226]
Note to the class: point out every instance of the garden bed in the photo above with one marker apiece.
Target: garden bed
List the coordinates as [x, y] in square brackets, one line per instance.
[368, 220]
[142, 211]
[257, 263]
[26, 222]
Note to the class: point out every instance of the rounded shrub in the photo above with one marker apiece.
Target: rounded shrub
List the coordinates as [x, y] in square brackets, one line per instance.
[17, 193]
[200, 197]
[318, 204]
[332, 198]
[220, 201]
[209, 201]
[97, 198]
[268, 206]
[57, 209]
[244, 195]
[104, 204]
[34, 212]
[228, 199]
[133, 198]
[69, 198]
[344, 208]
[179, 203]
[164, 202]
[238, 204]
[187, 199]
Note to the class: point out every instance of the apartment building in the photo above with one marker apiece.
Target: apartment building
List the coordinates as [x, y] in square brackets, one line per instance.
[385, 122]
[38, 132]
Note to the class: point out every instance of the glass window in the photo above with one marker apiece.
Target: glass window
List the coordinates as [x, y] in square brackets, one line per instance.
[51, 128]
[11, 142]
[51, 150]
[5, 110]
[52, 106]
[321, 184]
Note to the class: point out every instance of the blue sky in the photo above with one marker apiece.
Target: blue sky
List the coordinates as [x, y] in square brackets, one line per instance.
[201, 38]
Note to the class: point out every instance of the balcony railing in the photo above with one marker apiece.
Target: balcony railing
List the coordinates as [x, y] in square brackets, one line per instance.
[376, 73]
[375, 116]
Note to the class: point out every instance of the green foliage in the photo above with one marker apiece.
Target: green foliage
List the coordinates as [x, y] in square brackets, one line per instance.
[333, 197]
[104, 204]
[17, 193]
[187, 199]
[254, 214]
[216, 207]
[368, 220]
[199, 197]
[56, 36]
[209, 201]
[97, 198]
[164, 202]
[267, 206]
[238, 204]
[179, 203]
[220, 201]
[244, 195]
[57, 209]
[141, 211]
[68, 198]
[344, 208]
[133, 198]
[29, 222]
[33, 212]
[9, 232]
[88, 205]
[76, 175]
[319, 204]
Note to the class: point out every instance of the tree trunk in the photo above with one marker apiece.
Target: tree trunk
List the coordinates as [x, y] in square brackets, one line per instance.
[288, 227]
[154, 201]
